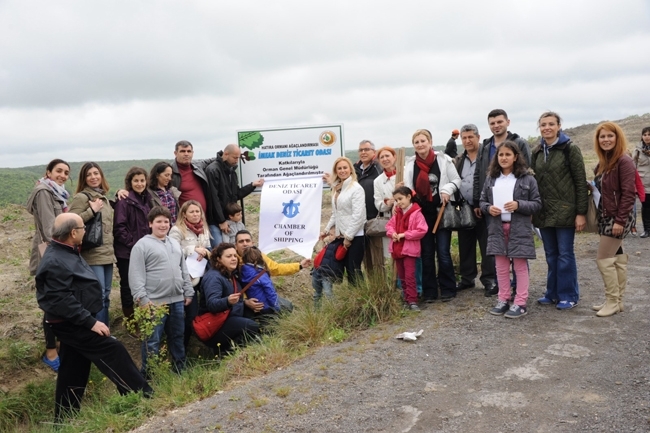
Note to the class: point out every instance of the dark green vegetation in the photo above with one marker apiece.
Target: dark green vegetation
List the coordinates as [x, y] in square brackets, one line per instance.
[17, 183]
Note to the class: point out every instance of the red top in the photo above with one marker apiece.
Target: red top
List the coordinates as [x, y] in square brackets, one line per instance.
[191, 188]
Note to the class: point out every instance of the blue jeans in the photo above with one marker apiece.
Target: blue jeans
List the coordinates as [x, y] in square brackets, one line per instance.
[104, 274]
[440, 244]
[562, 276]
[173, 325]
[217, 237]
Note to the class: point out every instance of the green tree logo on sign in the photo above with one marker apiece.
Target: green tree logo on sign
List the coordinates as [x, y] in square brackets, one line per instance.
[251, 139]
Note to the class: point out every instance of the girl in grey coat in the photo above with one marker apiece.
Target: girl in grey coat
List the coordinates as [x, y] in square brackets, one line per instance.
[509, 224]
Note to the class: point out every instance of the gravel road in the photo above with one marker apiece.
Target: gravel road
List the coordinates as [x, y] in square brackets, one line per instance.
[551, 371]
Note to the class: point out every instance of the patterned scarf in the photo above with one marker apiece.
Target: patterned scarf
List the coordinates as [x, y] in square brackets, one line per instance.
[59, 192]
[422, 185]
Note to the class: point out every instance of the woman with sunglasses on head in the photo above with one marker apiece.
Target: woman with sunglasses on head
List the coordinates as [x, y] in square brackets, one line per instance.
[221, 291]
[90, 199]
[49, 199]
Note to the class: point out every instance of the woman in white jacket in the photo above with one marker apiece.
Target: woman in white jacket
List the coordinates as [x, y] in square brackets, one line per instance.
[433, 177]
[348, 215]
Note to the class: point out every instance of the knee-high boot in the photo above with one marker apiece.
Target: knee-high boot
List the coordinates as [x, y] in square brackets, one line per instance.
[621, 273]
[607, 268]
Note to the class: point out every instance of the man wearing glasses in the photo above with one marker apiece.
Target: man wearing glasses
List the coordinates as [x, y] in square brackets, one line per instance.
[368, 169]
[69, 293]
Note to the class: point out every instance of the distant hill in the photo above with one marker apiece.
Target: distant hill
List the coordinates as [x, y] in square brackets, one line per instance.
[583, 136]
[17, 183]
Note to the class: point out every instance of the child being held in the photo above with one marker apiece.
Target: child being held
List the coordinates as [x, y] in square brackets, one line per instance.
[263, 289]
[509, 233]
[234, 211]
[405, 229]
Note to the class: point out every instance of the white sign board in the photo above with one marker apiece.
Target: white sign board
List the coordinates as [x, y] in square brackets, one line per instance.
[287, 153]
[290, 212]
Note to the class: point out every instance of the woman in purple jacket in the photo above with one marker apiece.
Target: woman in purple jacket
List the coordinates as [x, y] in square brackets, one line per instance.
[129, 226]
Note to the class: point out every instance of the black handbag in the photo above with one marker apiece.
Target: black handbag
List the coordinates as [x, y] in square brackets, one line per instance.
[458, 214]
[94, 235]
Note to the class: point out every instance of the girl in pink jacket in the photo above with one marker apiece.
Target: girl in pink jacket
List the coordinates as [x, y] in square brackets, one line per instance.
[405, 229]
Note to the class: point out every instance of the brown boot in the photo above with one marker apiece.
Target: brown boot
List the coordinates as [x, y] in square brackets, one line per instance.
[607, 269]
[621, 272]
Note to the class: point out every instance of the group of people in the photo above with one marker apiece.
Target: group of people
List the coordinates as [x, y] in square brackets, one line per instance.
[188, 210]
[150, 230]
[544, 187]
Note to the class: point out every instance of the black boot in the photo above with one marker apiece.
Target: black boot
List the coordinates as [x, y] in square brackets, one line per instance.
[645, 216]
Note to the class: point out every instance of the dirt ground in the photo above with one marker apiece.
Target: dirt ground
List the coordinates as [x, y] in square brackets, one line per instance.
[551, 371]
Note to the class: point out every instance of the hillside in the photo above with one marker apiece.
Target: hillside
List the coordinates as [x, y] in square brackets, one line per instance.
[583, 135]
[17, 183]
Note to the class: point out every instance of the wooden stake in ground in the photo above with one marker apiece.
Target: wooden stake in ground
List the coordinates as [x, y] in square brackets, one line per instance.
[399, 177]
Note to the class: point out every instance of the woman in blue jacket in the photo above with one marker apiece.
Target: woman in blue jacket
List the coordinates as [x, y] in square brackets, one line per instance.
[222, 291]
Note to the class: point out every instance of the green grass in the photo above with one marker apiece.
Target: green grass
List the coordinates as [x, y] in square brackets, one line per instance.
[289, 338]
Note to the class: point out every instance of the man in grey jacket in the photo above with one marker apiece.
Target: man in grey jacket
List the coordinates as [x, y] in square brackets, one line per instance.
[158, 276]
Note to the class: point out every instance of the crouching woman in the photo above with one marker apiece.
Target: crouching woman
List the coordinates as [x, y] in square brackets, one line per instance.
[221, 289]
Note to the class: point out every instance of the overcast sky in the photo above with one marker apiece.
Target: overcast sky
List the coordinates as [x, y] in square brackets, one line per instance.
[110, 80]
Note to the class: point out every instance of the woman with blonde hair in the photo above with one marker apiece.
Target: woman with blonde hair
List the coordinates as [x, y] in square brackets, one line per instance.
[615, 179]
[433, 177]
[192, 233]
[89, 199]
[348, 215]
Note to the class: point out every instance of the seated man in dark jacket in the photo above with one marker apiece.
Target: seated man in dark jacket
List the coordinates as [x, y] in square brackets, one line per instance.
[70, 295]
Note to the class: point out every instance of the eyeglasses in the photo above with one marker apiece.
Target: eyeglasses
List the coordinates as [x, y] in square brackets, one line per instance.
[366, 149]
[80, 228]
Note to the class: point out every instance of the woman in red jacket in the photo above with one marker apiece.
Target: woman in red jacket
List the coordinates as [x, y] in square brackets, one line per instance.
[615, 179]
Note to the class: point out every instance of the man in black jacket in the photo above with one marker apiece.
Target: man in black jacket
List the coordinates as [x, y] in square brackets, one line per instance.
[451, 149]
[69, 293]
[367, 169]
[224, 189]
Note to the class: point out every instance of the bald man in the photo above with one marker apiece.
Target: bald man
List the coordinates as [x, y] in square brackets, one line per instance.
[69, 293]
[224, 189]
